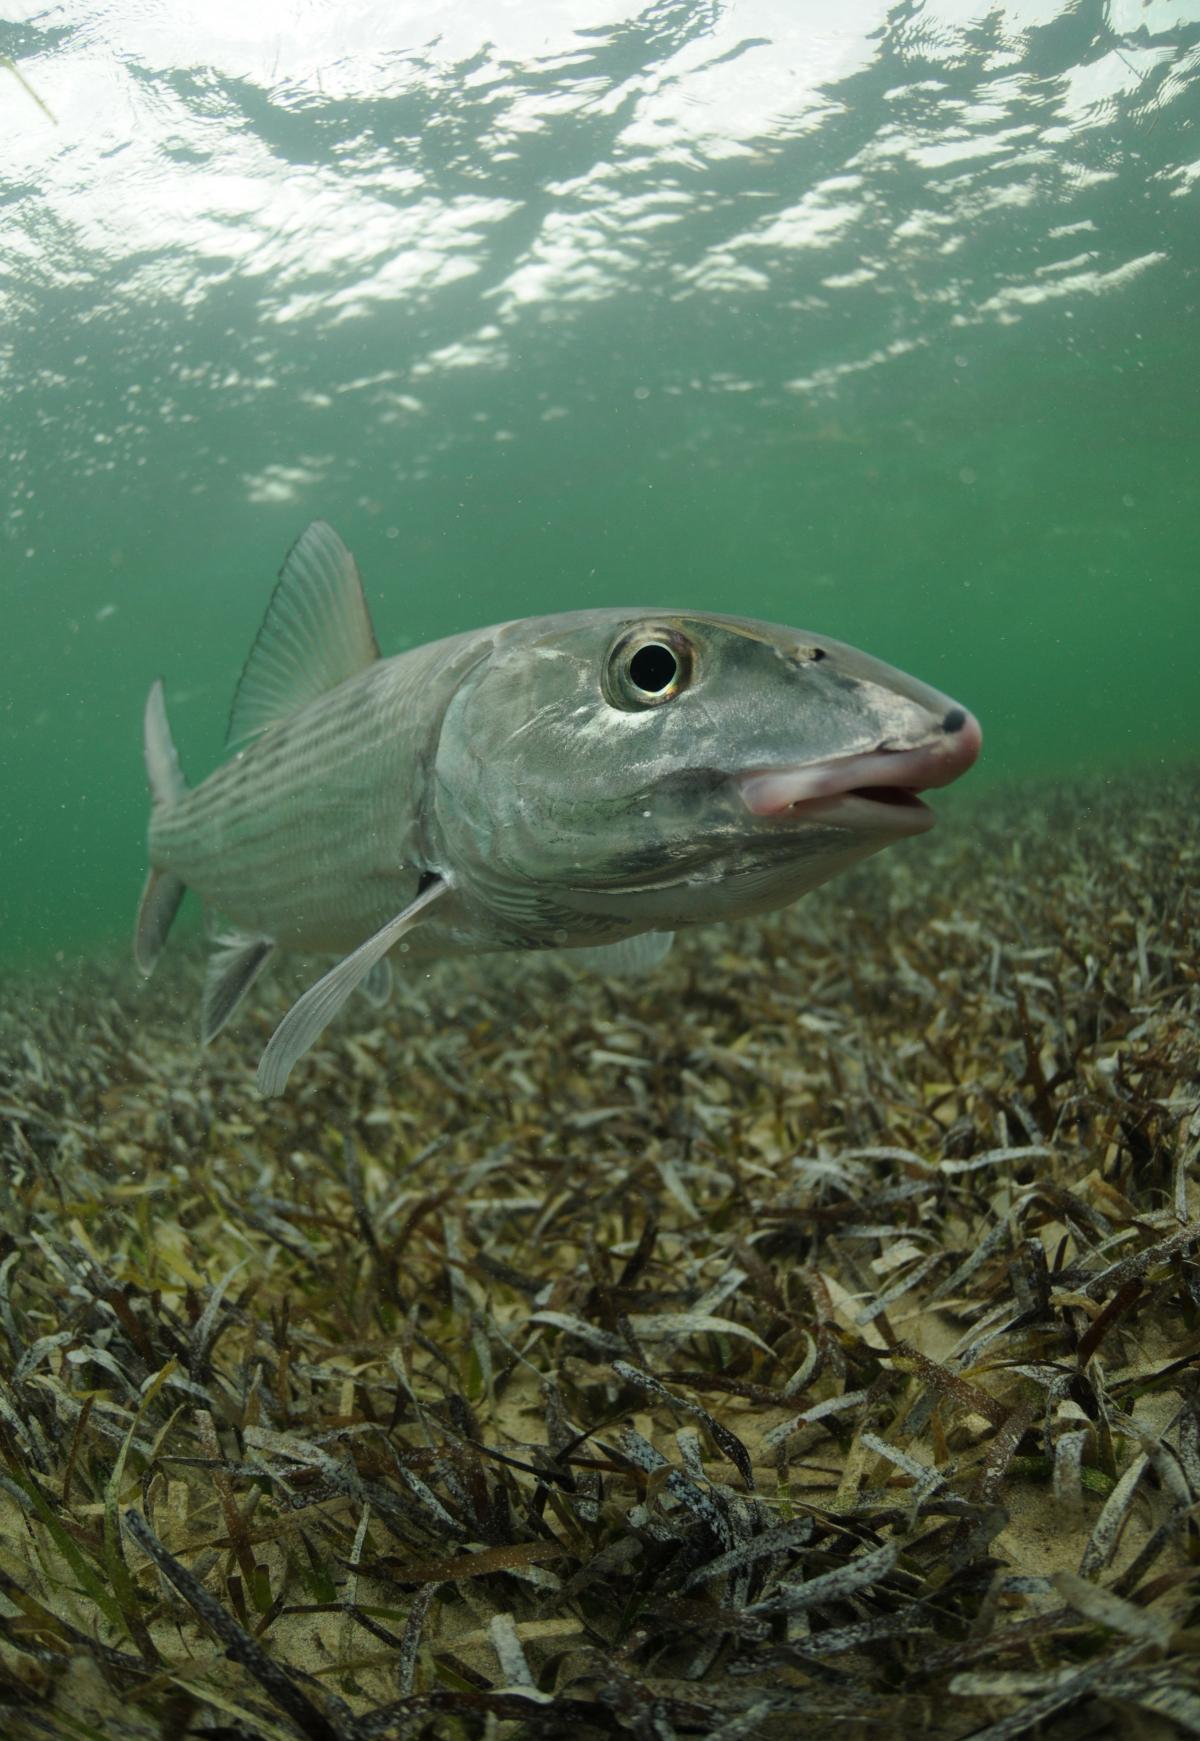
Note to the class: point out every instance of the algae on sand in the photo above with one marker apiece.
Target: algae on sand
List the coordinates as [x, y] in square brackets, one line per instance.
[809, 1333]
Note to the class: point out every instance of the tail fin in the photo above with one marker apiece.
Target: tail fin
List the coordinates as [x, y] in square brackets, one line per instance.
[164, 890]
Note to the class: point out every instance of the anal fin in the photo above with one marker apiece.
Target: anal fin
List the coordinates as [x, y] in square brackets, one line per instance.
[232, 969]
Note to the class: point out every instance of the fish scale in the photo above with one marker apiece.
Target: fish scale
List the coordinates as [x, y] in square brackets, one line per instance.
[296, 836]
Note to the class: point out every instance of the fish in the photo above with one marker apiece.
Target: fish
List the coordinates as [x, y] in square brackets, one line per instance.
[590, 781]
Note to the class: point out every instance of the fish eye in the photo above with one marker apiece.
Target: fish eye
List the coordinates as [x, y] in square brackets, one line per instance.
[647, 667]
[653, 668]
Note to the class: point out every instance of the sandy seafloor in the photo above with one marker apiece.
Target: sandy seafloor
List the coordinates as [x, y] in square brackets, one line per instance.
[806, 1333]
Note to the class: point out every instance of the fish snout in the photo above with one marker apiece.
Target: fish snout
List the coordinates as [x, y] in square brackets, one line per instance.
[956, 750]
[873, 789]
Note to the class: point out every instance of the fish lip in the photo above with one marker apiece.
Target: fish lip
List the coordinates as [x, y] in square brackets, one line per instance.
[838, 791]
[860, 814]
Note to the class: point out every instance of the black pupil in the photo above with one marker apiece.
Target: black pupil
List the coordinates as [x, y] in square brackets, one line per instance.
[653, 667]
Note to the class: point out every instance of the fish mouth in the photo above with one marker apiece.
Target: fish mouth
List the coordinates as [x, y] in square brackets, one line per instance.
[876, 791]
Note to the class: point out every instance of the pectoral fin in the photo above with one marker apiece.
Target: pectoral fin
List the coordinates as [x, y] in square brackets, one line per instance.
[311, 1014]
[628, 956]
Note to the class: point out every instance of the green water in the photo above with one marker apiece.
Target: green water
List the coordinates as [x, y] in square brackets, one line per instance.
[879, 320]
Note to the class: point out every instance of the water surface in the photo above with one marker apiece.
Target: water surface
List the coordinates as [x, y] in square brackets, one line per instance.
[881, 320]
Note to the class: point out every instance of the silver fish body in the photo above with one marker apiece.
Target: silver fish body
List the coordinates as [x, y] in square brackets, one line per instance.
[310, 836]
[575, 781]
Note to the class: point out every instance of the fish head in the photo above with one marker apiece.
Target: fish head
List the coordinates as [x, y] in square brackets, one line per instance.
[653, 768]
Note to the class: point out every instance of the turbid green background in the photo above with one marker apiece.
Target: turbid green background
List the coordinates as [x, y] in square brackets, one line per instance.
[879, 320]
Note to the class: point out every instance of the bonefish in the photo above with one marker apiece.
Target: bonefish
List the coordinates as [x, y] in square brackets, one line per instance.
[591, 781]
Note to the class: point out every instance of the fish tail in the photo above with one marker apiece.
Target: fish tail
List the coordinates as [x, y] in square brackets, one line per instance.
[163, 890]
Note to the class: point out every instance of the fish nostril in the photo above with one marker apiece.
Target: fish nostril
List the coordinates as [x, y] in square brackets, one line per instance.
[954, 720]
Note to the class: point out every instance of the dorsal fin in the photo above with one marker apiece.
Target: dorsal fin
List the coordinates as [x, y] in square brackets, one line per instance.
[316, 633]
